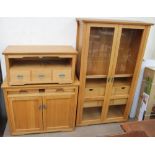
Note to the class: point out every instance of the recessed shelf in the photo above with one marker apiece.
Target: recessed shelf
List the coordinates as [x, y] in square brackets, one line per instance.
[92, 113]
[116, 111]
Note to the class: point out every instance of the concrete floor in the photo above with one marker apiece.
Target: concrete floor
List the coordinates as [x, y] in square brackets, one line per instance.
[85, 131]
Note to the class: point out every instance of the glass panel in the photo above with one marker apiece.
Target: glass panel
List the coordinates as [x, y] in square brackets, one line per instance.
[100, 46]
[128, 51]
[95, 87]
[116, 111]
[92, 110]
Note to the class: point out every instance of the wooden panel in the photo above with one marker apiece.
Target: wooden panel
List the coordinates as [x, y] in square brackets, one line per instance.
[59, 112]
[26, 114]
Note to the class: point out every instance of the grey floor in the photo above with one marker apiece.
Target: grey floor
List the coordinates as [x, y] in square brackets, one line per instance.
[85, 131]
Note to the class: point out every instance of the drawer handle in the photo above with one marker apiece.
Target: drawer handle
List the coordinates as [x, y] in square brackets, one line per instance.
[20, 76]
[62, 75]
[41, 76]
[90, 89]
[123, 87]
[60, 90]
[23, 91]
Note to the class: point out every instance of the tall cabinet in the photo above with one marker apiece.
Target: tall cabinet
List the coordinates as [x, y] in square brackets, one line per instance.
[109, 61]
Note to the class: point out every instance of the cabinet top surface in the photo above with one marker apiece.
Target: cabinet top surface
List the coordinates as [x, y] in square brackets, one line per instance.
[108, 21]
[6, 85]
[39, 49]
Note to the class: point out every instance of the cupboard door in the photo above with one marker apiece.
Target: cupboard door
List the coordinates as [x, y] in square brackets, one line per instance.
[126, 59]
[26, 114]
[59, 112]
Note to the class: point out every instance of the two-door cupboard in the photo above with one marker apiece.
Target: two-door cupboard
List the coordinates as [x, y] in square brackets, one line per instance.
[109, 61]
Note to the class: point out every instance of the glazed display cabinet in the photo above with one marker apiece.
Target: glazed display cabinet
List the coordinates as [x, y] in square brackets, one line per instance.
[109, 61]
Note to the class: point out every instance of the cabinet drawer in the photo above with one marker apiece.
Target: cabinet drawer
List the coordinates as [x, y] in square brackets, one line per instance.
[98, 91]
[57, 90]
[23, 91]
[41, 76]
[120, 90]
[92, 104]
[19, 77]
[118, 101]
[62, 76]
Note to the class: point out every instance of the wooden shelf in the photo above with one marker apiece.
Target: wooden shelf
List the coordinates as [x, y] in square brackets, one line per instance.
[96, 76]
[93, 103]
[116, 111]
[92, 113]
[123, 75]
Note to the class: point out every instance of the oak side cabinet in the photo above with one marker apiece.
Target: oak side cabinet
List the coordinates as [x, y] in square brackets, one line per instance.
[41, 88]
[41, 108]
[108, 65]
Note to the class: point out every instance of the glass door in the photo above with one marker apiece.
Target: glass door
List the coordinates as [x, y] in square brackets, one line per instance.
[101, 47]
[130, 41]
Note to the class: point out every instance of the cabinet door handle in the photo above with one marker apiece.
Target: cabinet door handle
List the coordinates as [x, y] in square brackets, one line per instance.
[44, 106]
[40, 107]
[108, 80]
[112, 80]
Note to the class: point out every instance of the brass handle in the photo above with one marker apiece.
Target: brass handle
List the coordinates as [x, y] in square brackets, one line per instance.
[62, 75]
[20, 76]
[108, 80]
[60, 90]
[41, 76]
[40, 107]
[112, 80]
[44, 106]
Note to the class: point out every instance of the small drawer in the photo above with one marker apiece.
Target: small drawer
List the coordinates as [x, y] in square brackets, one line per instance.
[57, 90]
[41, 76]
[62, 76]
[98, 91]
[120, 90]
[92, 104]
[19, 77]
[24, 91]
[118, 101]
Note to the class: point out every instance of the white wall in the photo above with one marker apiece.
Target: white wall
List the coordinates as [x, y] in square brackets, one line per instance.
[56, 31]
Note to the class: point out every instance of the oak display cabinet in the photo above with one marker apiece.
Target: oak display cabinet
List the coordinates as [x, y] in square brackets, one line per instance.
[109, 61]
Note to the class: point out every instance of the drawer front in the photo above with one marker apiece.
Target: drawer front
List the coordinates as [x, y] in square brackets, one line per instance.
[120, 90]
[89, 92]
[23, 91]
[58, 90]
[62, 76]
[88, 104]
[41, 76]
[118, 101]
[19, 77]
